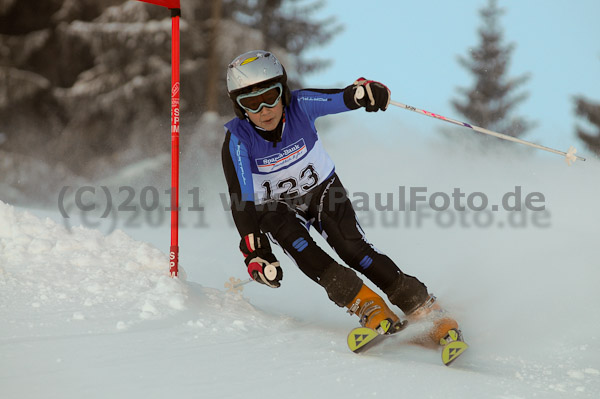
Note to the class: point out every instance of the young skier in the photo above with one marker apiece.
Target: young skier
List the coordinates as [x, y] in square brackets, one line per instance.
[281, 182]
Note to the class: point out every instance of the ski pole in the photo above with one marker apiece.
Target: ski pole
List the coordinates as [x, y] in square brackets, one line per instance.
[569, 155]
[235, 284]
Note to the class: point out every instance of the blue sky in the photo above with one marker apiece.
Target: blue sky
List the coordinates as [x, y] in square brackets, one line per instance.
[413, 47]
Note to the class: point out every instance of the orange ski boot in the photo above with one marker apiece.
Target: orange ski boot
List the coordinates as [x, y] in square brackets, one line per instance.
[373, 312]
[432, 311]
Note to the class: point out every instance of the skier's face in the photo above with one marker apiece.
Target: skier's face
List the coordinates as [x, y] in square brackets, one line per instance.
[267, 118]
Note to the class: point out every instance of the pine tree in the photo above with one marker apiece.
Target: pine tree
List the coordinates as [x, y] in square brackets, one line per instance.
[287, 26]
[490, 101]
[590, 111]
[82, 80]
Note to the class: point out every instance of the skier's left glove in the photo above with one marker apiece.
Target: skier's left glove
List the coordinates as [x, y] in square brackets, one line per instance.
[372, 95]
[263, 267]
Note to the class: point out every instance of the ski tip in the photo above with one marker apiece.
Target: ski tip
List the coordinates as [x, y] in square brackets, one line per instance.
[452, 351]
[359, 337]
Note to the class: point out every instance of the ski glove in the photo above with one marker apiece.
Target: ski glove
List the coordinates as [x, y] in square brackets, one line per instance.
[372, 95]
[263, 267]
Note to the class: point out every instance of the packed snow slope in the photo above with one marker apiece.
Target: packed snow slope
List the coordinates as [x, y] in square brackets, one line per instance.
[93, 313]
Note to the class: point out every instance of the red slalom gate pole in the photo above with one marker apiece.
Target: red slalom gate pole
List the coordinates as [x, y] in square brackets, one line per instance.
[175, 96]
[174, 6]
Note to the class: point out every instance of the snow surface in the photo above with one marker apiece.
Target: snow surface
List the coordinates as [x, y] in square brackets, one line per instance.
[93, 313]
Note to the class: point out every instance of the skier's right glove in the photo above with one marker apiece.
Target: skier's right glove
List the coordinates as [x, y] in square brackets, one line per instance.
[263, 267]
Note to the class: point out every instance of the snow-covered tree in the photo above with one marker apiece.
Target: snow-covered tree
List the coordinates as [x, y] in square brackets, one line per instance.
[490, 101]
[86, 82]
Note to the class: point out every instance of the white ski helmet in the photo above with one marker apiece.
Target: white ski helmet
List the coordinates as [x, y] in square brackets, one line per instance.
[253, 69]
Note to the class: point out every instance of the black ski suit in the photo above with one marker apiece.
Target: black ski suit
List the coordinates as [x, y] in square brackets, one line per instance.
[283, 182]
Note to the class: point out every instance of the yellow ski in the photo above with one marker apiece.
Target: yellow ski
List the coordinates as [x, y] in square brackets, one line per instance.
[453, 346]
[361, 337]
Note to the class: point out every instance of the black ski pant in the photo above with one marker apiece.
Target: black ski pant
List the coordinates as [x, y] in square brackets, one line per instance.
[330, 212]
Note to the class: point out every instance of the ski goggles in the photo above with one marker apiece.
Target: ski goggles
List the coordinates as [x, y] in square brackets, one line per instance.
[256, 100]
